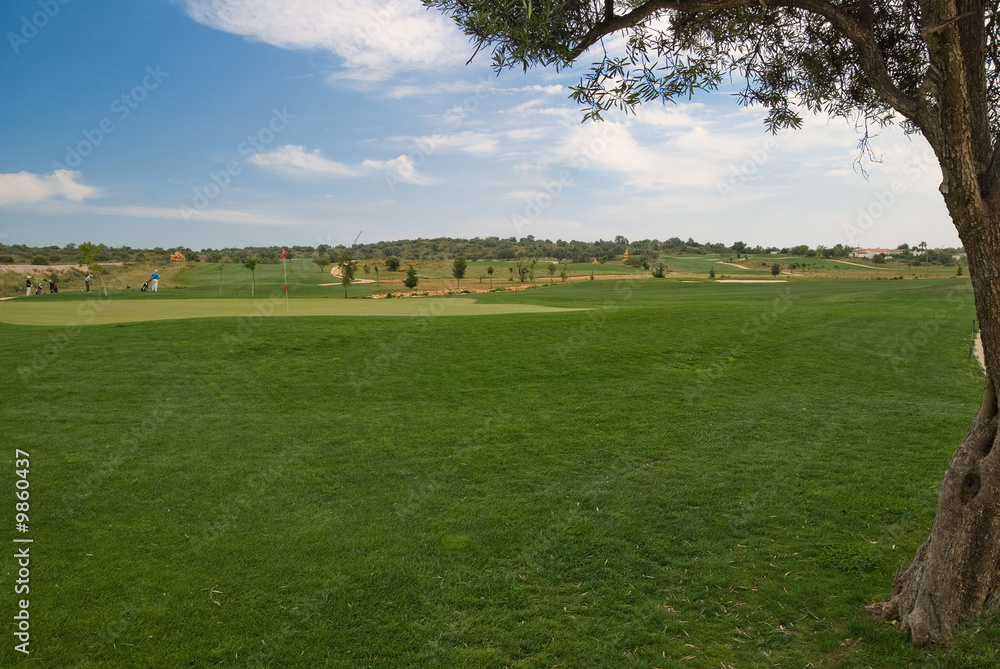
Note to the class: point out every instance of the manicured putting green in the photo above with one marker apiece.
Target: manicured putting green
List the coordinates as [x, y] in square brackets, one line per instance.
[100, 311]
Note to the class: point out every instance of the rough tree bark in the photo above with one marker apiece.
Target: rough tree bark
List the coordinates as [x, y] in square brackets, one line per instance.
[955, 574]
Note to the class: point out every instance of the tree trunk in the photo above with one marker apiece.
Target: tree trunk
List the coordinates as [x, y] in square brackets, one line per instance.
[955, 574]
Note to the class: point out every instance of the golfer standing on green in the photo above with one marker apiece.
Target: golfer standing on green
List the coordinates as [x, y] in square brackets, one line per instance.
[156, 279]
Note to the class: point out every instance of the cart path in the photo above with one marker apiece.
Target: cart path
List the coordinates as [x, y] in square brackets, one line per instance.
[856, 264]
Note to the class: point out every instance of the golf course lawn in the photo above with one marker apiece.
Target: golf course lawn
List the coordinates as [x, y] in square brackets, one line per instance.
[630, 473]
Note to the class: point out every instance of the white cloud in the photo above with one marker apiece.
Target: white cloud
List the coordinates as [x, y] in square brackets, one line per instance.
[255, 217]
[681, 148]
[480, 90]
[528, 195]
[375, 39]
[233, 216]
[554, 227]
[475, 143]
[527, 134]
[293, 160]
[642, 161]
[398, 169]
[178, 214]
[28, 188]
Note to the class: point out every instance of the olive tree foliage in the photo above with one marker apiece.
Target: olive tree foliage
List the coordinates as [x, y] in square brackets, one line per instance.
[88, 253]
[458, 268]
[321, 261]
[348, 268]
[865, 59]
[251, 264]
[930, 65]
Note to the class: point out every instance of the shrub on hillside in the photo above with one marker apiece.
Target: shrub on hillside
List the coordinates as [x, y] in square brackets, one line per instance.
[411, 278]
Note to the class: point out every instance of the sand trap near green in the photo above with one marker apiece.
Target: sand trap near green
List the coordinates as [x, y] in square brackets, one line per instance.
[100, 311]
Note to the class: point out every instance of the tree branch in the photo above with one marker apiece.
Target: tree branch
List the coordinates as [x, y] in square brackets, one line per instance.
[860, 35]
[941, 26]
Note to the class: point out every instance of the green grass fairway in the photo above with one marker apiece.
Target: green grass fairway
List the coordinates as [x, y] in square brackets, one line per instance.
[97, 311]
[668, 475]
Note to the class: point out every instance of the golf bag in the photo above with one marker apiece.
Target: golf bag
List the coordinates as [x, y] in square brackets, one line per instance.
[145, 285]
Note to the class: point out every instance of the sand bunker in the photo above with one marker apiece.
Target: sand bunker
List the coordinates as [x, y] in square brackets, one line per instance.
[339, 274]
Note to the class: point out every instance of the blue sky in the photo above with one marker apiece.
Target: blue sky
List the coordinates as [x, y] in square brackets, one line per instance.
[214, 123]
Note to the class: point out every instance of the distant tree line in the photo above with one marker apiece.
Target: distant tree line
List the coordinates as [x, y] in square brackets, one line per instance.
[643, 252]
[70, 254]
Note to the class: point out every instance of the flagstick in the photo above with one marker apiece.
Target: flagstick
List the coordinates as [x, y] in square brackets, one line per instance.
[285, 268]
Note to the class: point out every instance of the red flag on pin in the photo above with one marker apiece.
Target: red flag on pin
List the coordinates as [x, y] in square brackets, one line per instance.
[282, 254]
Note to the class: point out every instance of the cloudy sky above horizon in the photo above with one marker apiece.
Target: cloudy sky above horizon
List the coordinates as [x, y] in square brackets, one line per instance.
[213, 123]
